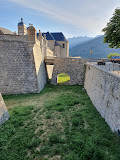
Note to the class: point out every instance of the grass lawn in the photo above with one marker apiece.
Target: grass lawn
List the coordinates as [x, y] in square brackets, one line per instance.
[63, 77]
[60, 123]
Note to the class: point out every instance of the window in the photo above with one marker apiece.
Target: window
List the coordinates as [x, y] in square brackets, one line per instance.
[63, 45]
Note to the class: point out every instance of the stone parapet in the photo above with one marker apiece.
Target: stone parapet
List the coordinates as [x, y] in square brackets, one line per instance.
[6, 37]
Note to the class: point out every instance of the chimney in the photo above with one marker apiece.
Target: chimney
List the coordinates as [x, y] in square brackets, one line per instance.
[21, 19]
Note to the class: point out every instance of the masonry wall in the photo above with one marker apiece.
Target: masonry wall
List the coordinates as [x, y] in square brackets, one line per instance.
[20, 71]
[74, 67]
[103, 88]
[49, 53]
[64, 51]
[51, 45]
[4, 115]
[57, 51]
[40, 67]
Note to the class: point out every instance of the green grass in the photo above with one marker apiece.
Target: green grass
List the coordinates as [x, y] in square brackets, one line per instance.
[60, 123]
[63, 77]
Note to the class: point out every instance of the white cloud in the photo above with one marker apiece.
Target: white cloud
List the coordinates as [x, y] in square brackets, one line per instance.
[89, 15]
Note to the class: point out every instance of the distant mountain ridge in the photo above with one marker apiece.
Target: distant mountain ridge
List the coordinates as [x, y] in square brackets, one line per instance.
[100, 49]
[78, 40]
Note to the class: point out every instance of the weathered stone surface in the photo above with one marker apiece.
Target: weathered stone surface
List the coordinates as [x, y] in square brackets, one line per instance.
[103, 88]
[74, 67]
[22, 68]
[4, 115]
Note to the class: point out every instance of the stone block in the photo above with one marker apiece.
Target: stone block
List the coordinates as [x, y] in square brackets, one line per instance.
[4, 115]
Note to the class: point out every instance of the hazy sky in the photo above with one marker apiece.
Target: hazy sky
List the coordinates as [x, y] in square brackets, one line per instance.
[72, 17]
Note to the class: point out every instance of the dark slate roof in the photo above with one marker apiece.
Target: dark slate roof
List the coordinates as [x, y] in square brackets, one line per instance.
[20, 24]
[49, 36]
[5, 31]
[59, 36]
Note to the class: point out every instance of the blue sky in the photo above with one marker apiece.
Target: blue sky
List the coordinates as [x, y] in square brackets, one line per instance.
[72, 17]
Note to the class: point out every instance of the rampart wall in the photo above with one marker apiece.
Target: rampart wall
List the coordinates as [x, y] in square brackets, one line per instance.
[103, 88]
[74, 67]
[20, 71]
[39, 66]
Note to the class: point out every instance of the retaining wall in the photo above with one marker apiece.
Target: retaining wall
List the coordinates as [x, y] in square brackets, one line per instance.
[103, 88]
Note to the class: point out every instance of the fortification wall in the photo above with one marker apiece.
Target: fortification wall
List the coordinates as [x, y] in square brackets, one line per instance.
[7, 37]
[40, 66]
[4, 115]
[49, 53]
[103, 88]
[74, 67]
[17, 69]
[20, 71]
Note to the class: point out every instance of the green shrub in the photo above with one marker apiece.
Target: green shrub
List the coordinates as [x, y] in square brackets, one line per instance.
[112, 54]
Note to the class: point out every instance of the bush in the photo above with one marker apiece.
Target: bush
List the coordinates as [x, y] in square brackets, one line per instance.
[112, 54]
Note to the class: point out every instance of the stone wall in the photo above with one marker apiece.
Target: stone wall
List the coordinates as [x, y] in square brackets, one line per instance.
[20, 71]
[39, 66]
[4, 115]
[49, 53]
[103, 88]
[51, 45]
[64, 52]
[58, 51]
[74, 67]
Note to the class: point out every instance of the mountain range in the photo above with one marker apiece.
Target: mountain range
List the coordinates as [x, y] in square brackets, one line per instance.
[78, 40]
[94, 45]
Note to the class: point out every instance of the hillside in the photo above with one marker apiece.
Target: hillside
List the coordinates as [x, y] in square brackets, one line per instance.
[100, 49]
[78, 40]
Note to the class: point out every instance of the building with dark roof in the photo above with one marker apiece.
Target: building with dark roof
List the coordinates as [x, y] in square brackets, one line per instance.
[56, 42]
[59, 36]
[22, 28]
[48, 35]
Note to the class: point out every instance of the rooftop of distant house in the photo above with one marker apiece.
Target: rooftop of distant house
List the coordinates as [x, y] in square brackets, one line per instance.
[57, 36]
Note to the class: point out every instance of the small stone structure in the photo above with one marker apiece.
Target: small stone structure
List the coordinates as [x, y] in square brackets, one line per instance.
[4, 115]
[103, 88]
[74, 67]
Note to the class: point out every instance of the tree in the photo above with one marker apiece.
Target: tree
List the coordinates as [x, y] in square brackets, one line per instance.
[112, 54]
[112, 30]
